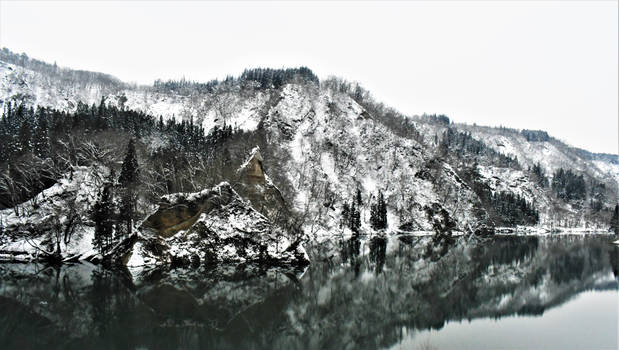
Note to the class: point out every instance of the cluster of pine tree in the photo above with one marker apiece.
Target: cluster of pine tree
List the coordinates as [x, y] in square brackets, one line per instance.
[268, 77]
[539, 175]
[24, 136]
[113, 218]
[378, 213]
[567, 185]
[104, 215]
[614, 221]
[513, 209]
[435, 118]
[464, 145]
[597, 196]
[535, 135]
[265, 78]
[186, 87]
[351, 214]
[22, 131]
[39, 145]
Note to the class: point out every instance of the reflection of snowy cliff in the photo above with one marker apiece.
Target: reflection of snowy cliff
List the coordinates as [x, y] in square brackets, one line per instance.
[356, 294]
[423, 285]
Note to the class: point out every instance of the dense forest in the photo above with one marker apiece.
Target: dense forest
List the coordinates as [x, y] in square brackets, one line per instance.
[262, 78]
[465, 147]
[568, 185]
[37, 146]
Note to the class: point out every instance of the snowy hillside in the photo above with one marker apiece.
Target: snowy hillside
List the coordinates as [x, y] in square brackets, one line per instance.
[321, 145]
[21, 85]
[551, 154]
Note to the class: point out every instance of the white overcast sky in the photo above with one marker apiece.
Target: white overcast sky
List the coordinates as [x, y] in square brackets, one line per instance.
[537, 65]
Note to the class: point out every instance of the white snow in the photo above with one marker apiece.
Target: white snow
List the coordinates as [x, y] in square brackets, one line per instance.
[328, 167]
[136, 259]
[53, 204]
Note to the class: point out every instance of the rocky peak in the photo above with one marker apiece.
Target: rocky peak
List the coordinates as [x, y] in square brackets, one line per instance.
[255, 185]
[252, 172]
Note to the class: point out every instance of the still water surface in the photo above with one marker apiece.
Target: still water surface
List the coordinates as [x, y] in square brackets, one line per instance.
[400, 293]
[587, 321]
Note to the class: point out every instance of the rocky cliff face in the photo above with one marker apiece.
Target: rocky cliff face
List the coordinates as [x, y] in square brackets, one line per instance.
[252, 171]
[254, 184]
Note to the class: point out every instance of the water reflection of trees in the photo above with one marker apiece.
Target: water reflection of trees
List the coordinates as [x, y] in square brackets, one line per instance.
[378, 251]
[361, 297]
[423, 285]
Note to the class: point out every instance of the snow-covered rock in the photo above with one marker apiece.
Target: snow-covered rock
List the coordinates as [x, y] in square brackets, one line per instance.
[254, 184]
[213, 226]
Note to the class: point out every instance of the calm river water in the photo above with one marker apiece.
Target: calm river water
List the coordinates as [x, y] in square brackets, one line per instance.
[404, 292]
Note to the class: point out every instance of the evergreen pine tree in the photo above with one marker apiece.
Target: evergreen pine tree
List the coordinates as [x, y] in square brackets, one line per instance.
[130, 170]
[345, 215]
[374, 216]
[128, 180]
[378, 213]
[359, 201]
[41, 139]
[103, 217]
[382, 211]
[126, 210]
[24, 137]
[355, 219]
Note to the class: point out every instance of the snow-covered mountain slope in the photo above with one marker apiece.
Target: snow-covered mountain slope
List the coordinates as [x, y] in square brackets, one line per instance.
[321, 146]
[336, 148]
[551, 154]
[22, 85]
[214, 225]
[56, 219]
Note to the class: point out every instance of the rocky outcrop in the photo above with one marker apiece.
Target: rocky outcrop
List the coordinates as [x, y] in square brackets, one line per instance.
[180, 211]
[207, 227]
[254, 184]
[213, 226]
[252, 172]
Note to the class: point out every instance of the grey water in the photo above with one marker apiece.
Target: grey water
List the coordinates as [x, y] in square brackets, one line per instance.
[405, 292]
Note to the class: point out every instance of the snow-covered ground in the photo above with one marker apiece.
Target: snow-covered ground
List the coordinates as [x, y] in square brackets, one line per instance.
[49, 211]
